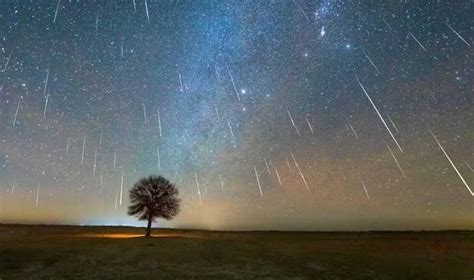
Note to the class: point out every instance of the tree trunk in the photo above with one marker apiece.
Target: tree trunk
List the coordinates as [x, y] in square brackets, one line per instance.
[148, 228]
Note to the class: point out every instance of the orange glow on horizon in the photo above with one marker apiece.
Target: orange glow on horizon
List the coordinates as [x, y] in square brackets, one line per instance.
[129, 235]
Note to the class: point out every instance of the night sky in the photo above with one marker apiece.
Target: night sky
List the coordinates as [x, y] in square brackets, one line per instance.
[299, 115]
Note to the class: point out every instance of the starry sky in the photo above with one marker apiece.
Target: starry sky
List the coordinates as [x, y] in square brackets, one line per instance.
[287, 115]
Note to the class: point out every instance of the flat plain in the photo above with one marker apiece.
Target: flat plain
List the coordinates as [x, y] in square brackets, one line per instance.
[74, 252]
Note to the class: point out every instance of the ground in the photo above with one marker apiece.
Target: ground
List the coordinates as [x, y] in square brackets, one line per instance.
[67, 252]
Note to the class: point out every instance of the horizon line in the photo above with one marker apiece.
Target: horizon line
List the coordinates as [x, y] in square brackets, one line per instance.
[243, 230]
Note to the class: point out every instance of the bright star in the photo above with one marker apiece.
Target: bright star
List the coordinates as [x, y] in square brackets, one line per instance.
[323, 32]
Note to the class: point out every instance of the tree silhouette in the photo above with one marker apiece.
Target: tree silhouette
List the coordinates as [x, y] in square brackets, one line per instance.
[153, 197]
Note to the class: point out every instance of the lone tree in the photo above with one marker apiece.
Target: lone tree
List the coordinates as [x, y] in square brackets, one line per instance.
[153, 197]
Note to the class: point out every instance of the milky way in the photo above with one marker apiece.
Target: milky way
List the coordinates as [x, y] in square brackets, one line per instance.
[298, 114]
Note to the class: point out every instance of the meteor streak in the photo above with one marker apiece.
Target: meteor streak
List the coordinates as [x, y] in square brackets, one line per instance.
[217, 112]
[393, 124]
[197, 186]
[221, 181]
[268, 167]
[395, 159]
[258, 181]
[8, 61]
[83, 148]
[158, 157]
[302, 11]
[451, 162]
[413, 36]
[95, 162]
[68, 143]
[380, 116]
[45, 104]
[231, 132]
[97, 22]
[299, 171]
[146, 10]
[100, 139]
[371, 62]
[121, 188]
[3, 83]
[217, 74]
[159, 122]
[37, 194]
[288, 163]
[278, 175]
[293, 123]
[233, 84]
[16, 113]
[365, 190]
[388, 25]
[469, 166]
[352, 129]
[457, 34]
[309, 125]
[46, 82]
[180, 82]
[144, 113]
[56, 13]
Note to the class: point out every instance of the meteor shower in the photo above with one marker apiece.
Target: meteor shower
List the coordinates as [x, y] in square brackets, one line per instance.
[221, 139]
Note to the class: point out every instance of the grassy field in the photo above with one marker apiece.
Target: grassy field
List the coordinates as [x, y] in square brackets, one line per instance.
[67, 252]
